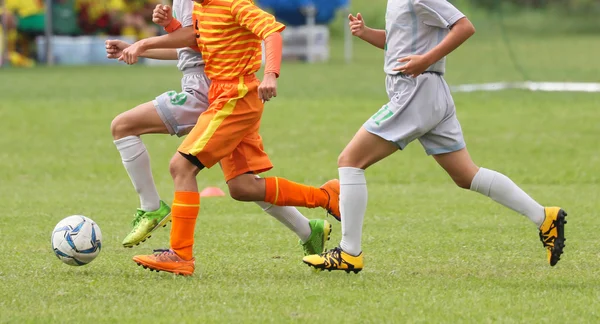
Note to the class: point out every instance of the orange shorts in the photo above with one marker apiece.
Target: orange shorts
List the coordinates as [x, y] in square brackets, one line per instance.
[227, 131]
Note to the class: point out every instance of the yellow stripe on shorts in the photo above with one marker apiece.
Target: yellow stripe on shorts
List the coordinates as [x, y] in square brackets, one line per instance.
[214, 124]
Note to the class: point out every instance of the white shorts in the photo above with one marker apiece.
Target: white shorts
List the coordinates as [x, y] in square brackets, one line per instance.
[180, 111]
[420, 108]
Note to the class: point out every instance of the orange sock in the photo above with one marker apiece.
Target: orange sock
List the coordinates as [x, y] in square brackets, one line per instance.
[282, 192]
[186, 206]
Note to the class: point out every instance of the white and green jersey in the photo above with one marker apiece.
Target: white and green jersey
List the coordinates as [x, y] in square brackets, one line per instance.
[415, 27]
[188, 58]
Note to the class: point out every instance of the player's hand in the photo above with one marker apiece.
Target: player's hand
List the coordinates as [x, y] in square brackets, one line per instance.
[357, 24]
[268, 87]
[131, 54]
[115, 47]
[414, 65]
[162, 15]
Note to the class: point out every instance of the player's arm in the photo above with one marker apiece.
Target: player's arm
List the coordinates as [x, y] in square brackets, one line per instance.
[459, 33]
[263, 25]
[115, 48]
[273, 54]
[161, 54]
[183, 37]
[375, 37]
[437, 14]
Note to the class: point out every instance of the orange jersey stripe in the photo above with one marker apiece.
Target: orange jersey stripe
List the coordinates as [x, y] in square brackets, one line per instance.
[229, 33]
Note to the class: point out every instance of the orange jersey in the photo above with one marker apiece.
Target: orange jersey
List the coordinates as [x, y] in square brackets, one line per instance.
[231, 32]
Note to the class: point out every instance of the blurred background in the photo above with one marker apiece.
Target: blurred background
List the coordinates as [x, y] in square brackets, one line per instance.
[75, 25]
[438, 254]
[517, 40]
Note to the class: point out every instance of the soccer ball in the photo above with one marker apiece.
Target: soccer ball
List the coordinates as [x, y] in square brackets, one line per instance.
[76, 240]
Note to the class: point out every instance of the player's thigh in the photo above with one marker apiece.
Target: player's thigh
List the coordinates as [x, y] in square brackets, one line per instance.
[445, 137]
[248, 157]
[365, 149]
[459, 166]
[222, 128]
[412, 111]
[180, 111]
[143, 119]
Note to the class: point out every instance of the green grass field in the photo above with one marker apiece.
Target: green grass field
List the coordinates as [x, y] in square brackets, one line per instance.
[434, 253]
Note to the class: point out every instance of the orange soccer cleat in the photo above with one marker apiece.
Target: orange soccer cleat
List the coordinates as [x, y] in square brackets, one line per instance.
[166, 260]
[332, 188]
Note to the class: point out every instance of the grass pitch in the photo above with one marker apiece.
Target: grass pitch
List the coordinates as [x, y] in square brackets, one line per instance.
[434, 253]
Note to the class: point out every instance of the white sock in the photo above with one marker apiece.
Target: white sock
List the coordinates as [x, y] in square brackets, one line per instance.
[137, 164]
[353, 205]
[290, 217]
[502, 190]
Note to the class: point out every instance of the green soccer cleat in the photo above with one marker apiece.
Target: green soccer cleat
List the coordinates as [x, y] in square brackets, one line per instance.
[144, 223]
[320, 231]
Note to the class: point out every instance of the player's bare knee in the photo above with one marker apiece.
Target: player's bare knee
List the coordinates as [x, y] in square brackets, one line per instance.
[120, 127]
[347, 160]
[238, 192]
[243, 190]
[463, 182]
[465, 178]
[181, 167]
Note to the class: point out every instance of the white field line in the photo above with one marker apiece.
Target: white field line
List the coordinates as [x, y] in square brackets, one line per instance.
[529, 85]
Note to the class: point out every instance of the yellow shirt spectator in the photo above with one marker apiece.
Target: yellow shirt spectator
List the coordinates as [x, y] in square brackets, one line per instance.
[25, 8]
[97, 8]
[133, 6]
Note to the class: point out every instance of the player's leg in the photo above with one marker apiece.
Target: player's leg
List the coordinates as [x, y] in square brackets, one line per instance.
[550, 220]
[399, 122]
[283, 192]
[179, 258]
[364, 150]
[215, 135]
[126, 129]
[463, 171]
[244, 185]
[170, 113]
[186, 203]
[313, 234]
[445, 142]
[241, 186]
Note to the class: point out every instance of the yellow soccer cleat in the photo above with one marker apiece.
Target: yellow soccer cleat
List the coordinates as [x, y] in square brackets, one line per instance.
[335, 259]
[552, 233]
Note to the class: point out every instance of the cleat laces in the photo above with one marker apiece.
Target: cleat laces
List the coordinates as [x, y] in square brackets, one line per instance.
[333, 257]
[546, 238]
[137, 217]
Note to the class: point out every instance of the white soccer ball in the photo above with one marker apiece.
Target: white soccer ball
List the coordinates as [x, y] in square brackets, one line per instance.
[76, 240]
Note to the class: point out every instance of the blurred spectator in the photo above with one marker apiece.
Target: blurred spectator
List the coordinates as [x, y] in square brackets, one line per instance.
[137, 19]
[100, 17]
[117, 17]
[25, 20]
